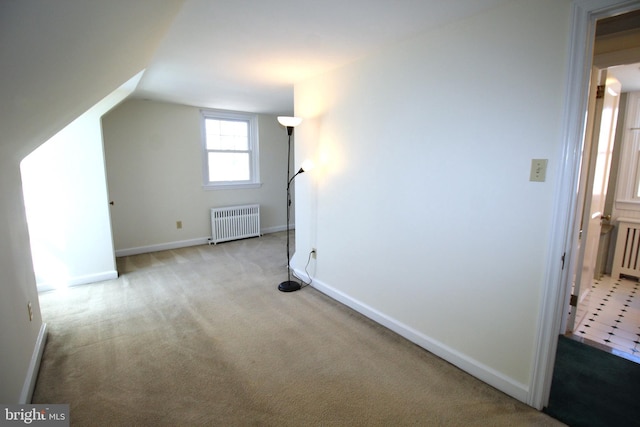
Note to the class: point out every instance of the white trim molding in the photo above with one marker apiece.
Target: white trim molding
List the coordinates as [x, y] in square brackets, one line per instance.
[462, 361]
[560, 260]
[185, 243]
[78, 280]
[34, 367]
[162, 247]
[278, 228]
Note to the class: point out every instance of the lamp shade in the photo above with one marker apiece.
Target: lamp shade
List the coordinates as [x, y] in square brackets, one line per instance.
[307, 165]
[289, 121]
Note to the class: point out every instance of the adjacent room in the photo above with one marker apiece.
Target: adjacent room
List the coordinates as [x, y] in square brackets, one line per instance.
[402, 177]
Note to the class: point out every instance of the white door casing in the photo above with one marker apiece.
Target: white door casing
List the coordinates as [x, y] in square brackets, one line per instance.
[584, 14]
[601, 126]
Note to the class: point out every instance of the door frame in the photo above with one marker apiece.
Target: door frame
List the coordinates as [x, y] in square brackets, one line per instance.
[589, 234]
[560, 258]
[585, 198]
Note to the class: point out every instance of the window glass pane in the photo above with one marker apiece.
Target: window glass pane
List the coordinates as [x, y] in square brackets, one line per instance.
[212, 133]
[227, 134]
[236, 128]
[232, 142]
[229, 167]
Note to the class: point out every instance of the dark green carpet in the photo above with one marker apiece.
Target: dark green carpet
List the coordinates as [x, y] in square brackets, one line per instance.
[593, 388]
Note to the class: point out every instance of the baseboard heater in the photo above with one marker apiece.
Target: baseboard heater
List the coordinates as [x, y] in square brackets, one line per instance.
[234, 222]
[626, 256]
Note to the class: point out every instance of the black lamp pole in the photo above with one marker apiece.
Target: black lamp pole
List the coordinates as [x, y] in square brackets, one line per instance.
[289, 285]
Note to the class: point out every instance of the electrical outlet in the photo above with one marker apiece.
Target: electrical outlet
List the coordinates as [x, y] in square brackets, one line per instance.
[30, 311]
[178, 225]
[538, 170]
[314, 252]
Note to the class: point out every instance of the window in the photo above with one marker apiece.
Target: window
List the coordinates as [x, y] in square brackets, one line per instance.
[230, 150]
[628, 190]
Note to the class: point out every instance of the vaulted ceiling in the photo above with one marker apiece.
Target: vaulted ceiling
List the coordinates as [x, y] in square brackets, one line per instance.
[246, 54]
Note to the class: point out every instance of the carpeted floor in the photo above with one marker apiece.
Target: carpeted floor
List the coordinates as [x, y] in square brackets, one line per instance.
[201, 336]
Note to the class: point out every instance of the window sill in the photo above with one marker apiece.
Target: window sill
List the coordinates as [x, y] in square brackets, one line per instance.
[242, 186]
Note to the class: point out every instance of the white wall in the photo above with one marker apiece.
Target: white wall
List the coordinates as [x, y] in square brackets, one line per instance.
[61, 58]
[154, 168]
[66, 201]
[18, 334]
[420, 207]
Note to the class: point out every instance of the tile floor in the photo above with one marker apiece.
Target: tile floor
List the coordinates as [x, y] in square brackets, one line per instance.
[609, 317]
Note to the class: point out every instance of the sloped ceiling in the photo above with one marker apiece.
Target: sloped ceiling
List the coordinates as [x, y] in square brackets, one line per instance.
[59, 58]
[246, 54]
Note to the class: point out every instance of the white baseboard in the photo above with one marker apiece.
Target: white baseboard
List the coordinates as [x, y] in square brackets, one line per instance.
[162, 247]
[471, 366]
[34, 366]
[185, 243]
[276, 229]
[79, 280]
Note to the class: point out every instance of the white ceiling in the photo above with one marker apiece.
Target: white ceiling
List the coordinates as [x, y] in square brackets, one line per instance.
[246, 54]
[628, 75]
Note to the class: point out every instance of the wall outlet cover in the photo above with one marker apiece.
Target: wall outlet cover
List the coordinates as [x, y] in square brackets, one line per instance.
[538, 170]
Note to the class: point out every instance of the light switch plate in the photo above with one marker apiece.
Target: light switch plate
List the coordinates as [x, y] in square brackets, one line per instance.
[538, 170]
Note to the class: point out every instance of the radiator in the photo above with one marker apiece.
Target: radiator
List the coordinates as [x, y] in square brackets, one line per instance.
[626, 257]
[234, 222]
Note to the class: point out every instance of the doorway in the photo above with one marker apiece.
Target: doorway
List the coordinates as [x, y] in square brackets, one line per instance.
[573, 373]
[603, 311]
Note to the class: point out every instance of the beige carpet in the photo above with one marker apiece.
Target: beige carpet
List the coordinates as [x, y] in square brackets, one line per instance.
[201, 336]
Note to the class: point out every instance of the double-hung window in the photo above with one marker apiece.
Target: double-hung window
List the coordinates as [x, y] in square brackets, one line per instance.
[230, 150]
[628, 185]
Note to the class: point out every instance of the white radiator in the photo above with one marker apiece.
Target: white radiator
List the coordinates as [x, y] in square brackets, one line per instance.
[626, 257]
[234, 222]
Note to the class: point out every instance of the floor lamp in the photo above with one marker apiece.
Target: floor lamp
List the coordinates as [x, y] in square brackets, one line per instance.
[289, 122]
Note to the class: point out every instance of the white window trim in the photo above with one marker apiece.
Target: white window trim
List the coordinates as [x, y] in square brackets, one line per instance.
[630, 156]
[254, 182]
